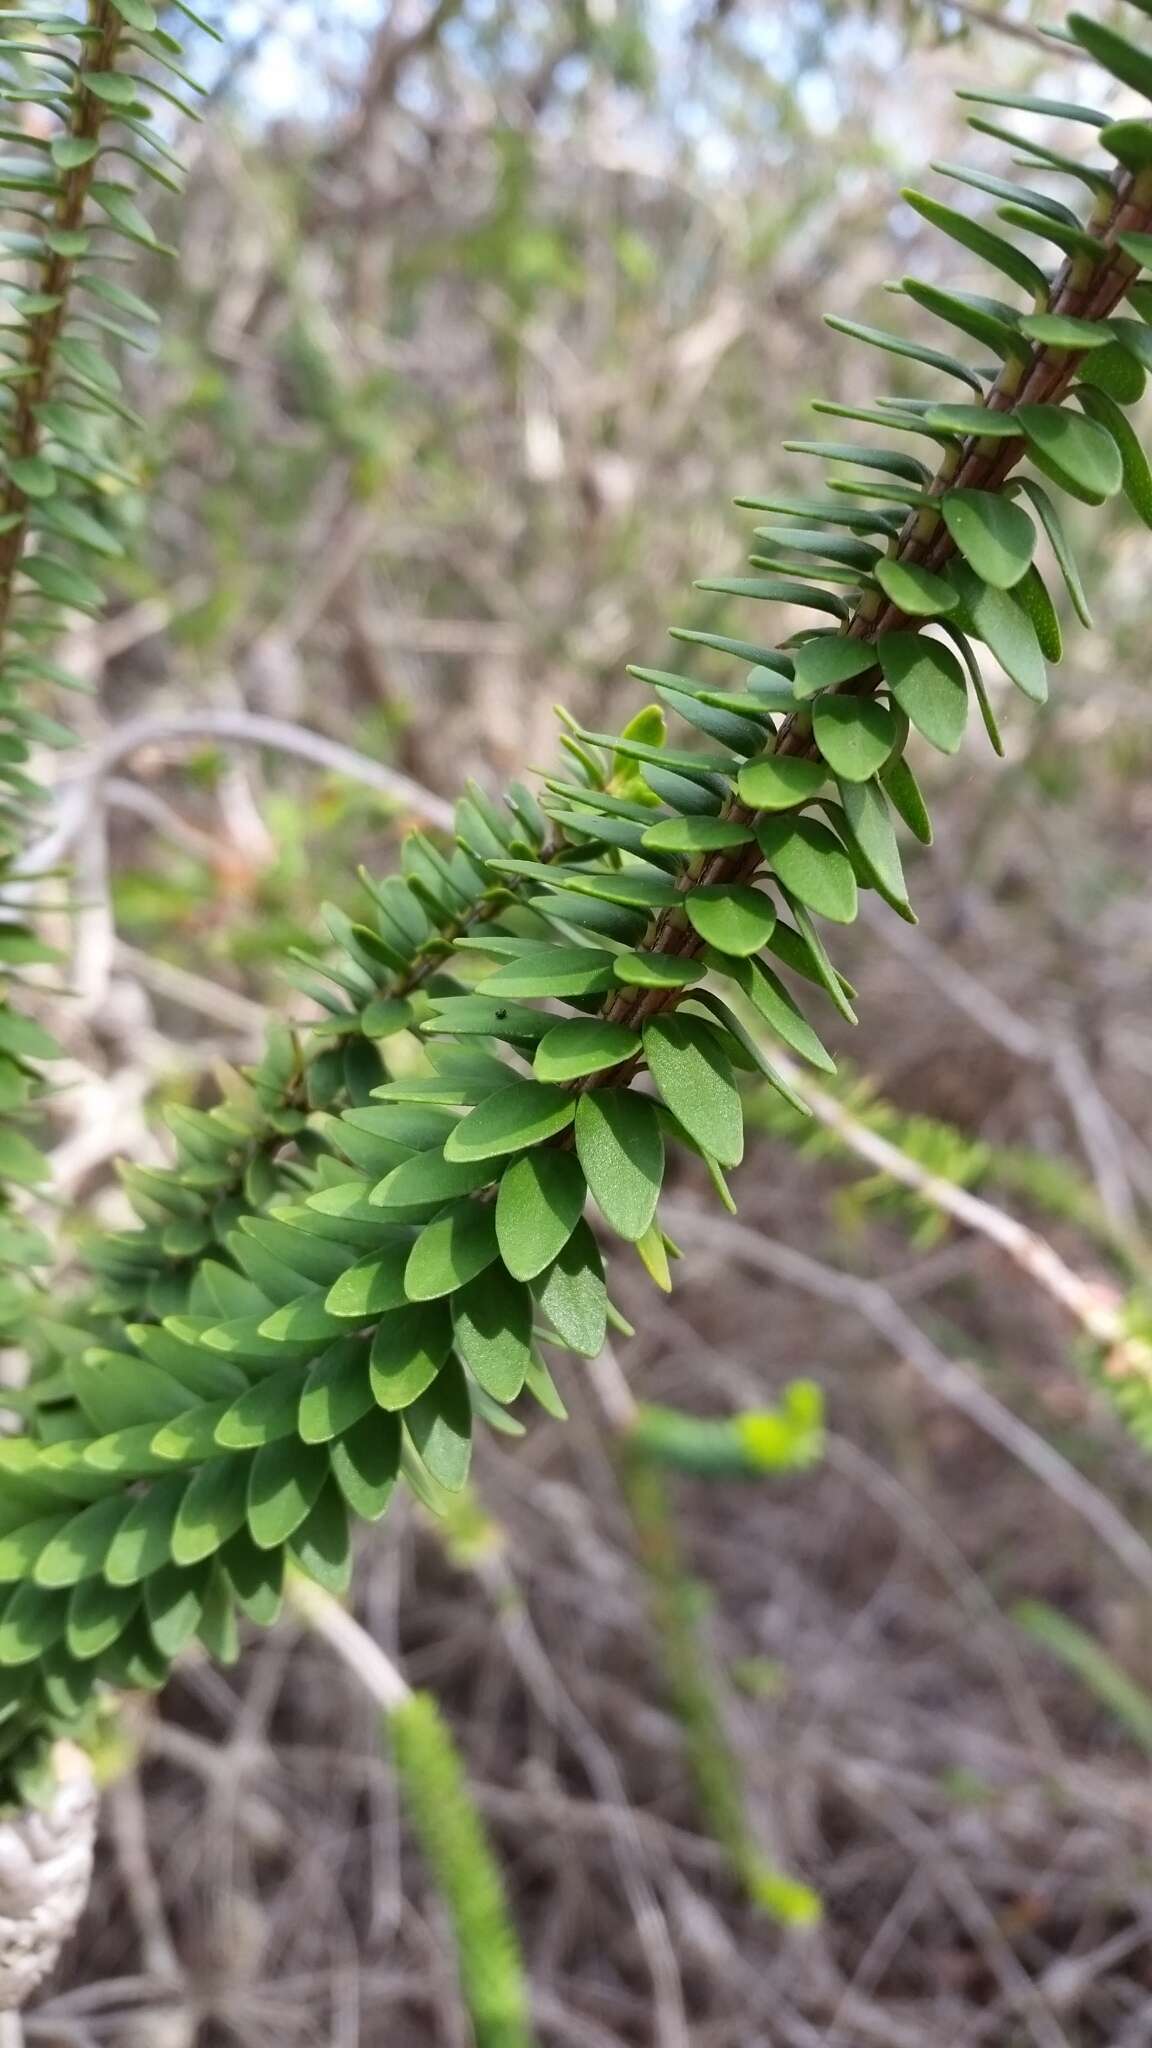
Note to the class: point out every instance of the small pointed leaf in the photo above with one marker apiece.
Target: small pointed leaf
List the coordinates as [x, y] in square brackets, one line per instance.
[732, 916]
[621, 1152]
[811, 863]
[695, 1080]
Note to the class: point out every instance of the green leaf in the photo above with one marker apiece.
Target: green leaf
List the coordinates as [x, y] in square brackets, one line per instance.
[1026, 103]
[927, 682]
[306, 1321]
[117, 1392]
[553, 971]
[779, 1009]
[632, 887]
[573, 1296]
[620, 1148]
[322, 1545]
[33, 1620]
[78, 1551]
[385, 1017]
[987, 321]
[32, 475]
[440, 1426]
[1052, 227]
[897, 345]
[1033, 598]
[143, 1541]
[696, 1083]
[889, 459]
[994, 535]
[845, 549]
[1074, 452]
[408, 1350]
[451, 1250]
[1006, 631]
[70, 151]
[21, 1161]
[365, 1464]
[97, 1615]
[776, 590]
[914, 590]
[174, 1602]
[696, 835]
[655, 970]
[1113, 52]
[829, 512]
[583, 1045]
[336, 1393]
[1130, 142]
[975, 677]
[904, 794]
[822, 663]
[476, 1016]
[125, 215]
[24, 1039]
[267, 1411]
[1057, 330]
[212, 1509]
[372, 1286]
[1053, 524]
[539, 1205]
[855, 735]
[137, 13]
[283, 1482]
[492, 1328]
[732, 916]
[1139, 247]
[983, 242]
[1137, 473]
[812, 864]
[980, 420]
[868, 828]
[112, 87]
[256, 1577]
[777, 782]
[523, 1114]
[1113, 370]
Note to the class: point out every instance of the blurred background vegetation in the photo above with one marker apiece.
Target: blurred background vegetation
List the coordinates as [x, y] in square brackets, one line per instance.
[484, 311]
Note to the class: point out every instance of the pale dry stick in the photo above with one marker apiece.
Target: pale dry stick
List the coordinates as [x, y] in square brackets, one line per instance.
[1095, 1306]
[352, 1644]
[76, 799]
[128, 1826]
[950, 1380]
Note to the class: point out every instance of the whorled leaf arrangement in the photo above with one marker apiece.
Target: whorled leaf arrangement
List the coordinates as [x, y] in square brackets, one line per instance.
[76, 121]
[361, 1251]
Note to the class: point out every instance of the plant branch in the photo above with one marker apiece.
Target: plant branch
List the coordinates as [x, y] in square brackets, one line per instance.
[1095, 1306]
[76, 798]
[88, 113]
[976, 463]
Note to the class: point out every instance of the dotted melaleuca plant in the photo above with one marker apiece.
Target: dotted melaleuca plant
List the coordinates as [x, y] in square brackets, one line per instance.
[381, 1234]
[78, 89]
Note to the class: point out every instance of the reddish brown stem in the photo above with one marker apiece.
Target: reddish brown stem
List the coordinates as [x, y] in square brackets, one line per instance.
[44, 329]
